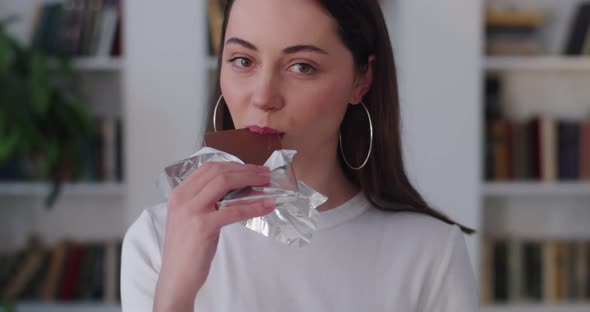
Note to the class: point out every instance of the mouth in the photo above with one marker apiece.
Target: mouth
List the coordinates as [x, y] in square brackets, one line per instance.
[265, 130]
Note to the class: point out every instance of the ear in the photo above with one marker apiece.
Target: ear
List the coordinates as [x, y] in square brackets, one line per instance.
[363, 82]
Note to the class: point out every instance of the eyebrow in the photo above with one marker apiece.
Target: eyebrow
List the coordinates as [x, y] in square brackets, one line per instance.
[288, 50]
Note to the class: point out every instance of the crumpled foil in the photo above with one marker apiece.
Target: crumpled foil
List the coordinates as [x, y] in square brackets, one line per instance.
[294, 219]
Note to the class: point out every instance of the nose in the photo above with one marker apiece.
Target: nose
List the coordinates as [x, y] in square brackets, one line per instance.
[267, 95]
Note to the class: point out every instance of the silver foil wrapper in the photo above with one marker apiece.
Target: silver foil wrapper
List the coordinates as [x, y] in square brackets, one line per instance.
[295, 218]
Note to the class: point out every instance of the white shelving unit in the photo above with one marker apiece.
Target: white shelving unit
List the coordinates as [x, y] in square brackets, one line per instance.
[89, 211]
[513, 189]
[91, 64]
[519, 208]
[36, 189]
[538, 63]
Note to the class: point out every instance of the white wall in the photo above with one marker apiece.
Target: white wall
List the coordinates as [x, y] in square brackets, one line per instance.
[164, 90]
[437, 49]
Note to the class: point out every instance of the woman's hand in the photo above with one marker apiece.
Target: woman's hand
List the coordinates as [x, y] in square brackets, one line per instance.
[193, 225]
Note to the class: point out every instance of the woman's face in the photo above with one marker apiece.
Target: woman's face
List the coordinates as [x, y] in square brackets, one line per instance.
[285, 68]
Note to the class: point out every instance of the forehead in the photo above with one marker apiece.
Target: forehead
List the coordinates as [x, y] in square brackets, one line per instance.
[282, 22]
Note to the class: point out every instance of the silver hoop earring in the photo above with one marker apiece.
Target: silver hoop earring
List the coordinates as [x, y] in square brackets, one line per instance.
[370, 143]
[215, 113]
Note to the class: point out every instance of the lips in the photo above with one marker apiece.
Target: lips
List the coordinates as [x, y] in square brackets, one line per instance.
[265, 130]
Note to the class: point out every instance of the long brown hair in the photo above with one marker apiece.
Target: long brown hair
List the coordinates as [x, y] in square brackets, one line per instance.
[362, 29]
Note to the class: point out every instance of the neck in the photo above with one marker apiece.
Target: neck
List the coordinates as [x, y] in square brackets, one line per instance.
[322, 172]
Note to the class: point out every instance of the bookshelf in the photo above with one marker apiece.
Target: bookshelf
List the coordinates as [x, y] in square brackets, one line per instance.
[529, 212]
[91, 211]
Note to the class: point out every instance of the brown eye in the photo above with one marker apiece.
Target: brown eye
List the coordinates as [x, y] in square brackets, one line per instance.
[303, 68]
[241, 62]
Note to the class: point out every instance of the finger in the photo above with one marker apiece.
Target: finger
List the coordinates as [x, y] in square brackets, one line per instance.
[242, 211]
[204, 174]
[222, 184]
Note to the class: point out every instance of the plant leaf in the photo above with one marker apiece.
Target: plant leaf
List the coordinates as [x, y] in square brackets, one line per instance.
[39, 83]
[7, 54]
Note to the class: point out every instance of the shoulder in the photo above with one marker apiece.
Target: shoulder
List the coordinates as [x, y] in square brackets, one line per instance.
[415, 225]
[417, 234]
[146, 233]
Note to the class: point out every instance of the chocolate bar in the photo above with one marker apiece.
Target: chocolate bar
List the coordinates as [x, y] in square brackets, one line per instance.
[248, 146]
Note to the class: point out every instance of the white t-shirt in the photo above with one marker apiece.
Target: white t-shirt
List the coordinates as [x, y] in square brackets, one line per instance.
[360, 259]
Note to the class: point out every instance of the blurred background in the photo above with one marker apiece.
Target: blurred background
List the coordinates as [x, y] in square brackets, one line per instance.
[98, 96]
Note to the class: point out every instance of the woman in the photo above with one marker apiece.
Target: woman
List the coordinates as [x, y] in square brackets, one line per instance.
[320, 73]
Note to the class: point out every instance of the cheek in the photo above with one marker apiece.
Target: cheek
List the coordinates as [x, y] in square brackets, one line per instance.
[234, 94]
[325, 100]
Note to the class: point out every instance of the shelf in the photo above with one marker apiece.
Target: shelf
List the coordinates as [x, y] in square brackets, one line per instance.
[95, 64]
[503, 189]
[111, 189]
[67, 307]
[570, 307]
[537, 63]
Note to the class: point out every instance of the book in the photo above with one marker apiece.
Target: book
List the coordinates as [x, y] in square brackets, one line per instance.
[108, 132]
[85, 278]
[34, 35]
[585, 150]
[119, 146]
[568, 150]
[520, 157]
[501, 152]
[89, 13]
[56, 267]
[9, 264]
[486, 281]
[71, 272]
[109, 19]
[33, 289]
[532, 264]
[71, 28]
[578, 30]
[550, 274]
[500, 268]
[110, 271]
[582, 277]
[514, 18]
[548, 144]
[515, 268]
[117, 47]
[215, 16]
[27, 271]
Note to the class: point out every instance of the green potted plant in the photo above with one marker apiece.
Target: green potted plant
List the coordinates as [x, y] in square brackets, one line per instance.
[44, 125]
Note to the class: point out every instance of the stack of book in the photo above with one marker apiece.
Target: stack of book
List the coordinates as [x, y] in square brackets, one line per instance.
[71, 270]
[513, 31]
[535, 271]
[541, 149]
[102, 158]
[104, 161]
[90, 28]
